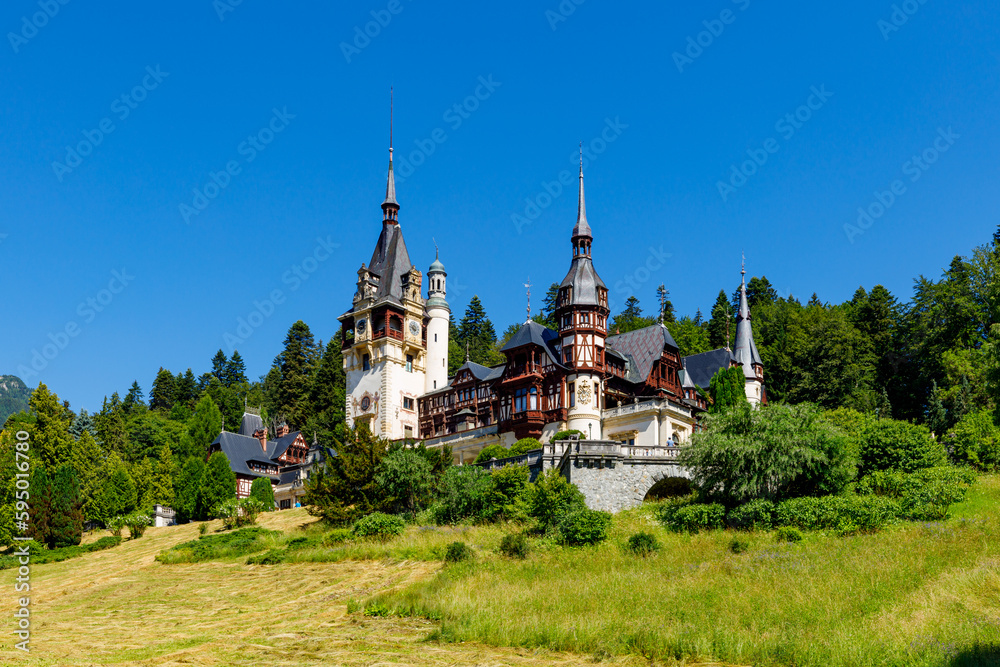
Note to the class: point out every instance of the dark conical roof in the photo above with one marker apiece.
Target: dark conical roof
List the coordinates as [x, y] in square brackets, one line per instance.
[745, 351]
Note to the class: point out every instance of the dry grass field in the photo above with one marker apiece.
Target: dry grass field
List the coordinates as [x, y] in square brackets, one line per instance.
[120, 607]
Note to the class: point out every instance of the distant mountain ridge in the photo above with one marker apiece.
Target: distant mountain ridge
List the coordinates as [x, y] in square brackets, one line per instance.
[14, 395]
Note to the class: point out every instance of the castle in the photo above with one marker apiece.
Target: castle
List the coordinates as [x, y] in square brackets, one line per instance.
[633, 388]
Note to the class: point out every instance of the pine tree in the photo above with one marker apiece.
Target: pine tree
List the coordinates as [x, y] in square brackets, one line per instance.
[204, 426]
[41, 508]
[476, 333]
[236, 370]
[760, 292]
[187, 389]
[186, 488]
[727, 388]
[67, 515]
[117, 495]
[141, 473]
[217, 485]
[631, 318]
[162, 486]
[164, 392]
[51, 441]
[111, 428]
[720, 323]
[327, 394]
[83, 422]
[666, 307]
[134, 399]
[219, 362]
[296, 363]
[87, 460]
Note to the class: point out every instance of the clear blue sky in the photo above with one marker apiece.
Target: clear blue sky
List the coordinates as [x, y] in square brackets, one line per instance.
[556, 82]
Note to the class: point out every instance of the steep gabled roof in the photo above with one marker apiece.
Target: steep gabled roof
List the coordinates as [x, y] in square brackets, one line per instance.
[250, 424]
[642, 348]
[533, 333]
[478, 371]
[240, 449]
[390, 261]
[702, 367]
[281, 445]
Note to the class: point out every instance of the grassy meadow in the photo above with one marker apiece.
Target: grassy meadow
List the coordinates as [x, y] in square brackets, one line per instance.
[914, 594]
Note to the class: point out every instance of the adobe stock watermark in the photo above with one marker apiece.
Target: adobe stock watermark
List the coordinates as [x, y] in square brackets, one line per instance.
[122, 107]
[786, 126]
[37, 21]
[914, 169]
[248, 149]
[22, 510]
[293, 278]
[714, 28]
[454, 116]
[381, 18]
[562, 13]
[223, 7]
[552, 190]
[632, 281]
[900, 14]
[86, 311]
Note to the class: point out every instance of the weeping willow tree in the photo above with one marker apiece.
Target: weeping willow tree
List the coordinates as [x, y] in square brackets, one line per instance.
[775, 452]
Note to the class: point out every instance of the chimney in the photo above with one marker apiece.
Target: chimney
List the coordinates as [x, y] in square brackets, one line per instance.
[261, 434]
[281, 431]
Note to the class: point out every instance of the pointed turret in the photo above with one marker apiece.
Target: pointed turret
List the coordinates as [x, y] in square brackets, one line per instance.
[582, 285]
[745, 351]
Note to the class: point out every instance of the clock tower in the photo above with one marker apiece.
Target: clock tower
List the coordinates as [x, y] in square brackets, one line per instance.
[384, 333]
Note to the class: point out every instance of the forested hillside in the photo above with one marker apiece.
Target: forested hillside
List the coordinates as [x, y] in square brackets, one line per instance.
[14, 396]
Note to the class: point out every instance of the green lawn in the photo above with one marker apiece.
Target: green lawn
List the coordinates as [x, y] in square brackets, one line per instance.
[914, 594]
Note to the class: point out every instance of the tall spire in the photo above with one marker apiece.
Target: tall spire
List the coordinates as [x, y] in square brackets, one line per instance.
[582, 227]
[746, 349]
[390, 186]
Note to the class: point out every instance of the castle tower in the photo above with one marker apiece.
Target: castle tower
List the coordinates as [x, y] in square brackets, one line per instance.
[582, 316]
[745, 351]
[384, 338]
[438, 319]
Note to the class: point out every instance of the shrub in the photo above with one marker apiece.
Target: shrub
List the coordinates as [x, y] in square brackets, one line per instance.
[754, 515]
[584, 526]
[41, 555]
[115, 524]
[338, 536]
[505, 496]
[462, 494]
[405, 478]
[564, 435]
[551, 498]
[841, 513]
[777, 452]
[238, 513]
[975, 441]
[524, 445]
[202, 528]
[263, 491]
[379, 526]
[458, 552]
[492, 452]
[788, 534]
[887, 444]
[224, 545]
[218, 484]
[271, 557]
[924, 495]
[228, 511]
[137, 524]
[514, 545]
[739, 545]
[643, 544]
[695, 517]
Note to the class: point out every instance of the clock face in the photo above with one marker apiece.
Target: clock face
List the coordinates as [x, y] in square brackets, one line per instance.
[361, 326]
[414, 328]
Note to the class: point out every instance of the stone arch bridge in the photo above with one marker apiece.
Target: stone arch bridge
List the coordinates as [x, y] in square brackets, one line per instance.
[612, 476]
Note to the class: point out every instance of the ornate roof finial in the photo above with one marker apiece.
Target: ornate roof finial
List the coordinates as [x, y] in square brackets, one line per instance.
[582, 227]
[528, 286]
[390, 186]
[743, 266]
[467, 352]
